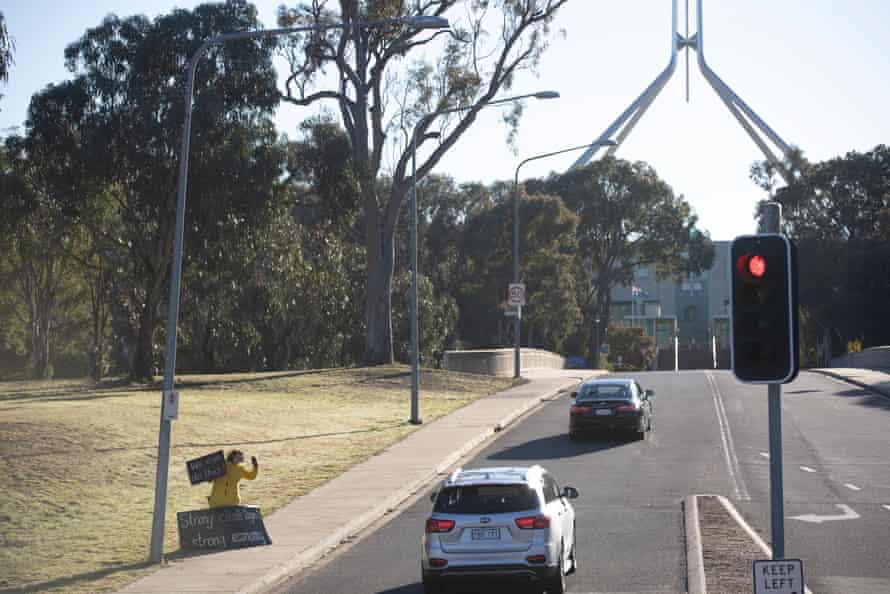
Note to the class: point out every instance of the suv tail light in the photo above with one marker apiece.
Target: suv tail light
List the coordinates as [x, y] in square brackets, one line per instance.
[581, 409]
[434, 525]
[532, 522]
[632, 407]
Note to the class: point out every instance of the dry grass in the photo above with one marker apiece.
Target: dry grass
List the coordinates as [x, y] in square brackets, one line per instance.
[80, 459]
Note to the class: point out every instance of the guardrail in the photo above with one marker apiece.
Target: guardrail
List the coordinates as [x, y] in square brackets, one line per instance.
[500, 361]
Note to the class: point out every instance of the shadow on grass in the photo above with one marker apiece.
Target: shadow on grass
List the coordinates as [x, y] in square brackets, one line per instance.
[91, 391]
[223, 444]
[74, 579]
[557, 446]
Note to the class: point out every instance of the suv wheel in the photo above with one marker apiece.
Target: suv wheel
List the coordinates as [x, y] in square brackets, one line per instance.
[557, 584]
[432, 587]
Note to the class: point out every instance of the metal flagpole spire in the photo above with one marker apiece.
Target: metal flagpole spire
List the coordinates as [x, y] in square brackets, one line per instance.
[752, 123]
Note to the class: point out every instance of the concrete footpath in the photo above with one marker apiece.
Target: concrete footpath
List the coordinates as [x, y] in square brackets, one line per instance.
[876, 380]
[317, 522]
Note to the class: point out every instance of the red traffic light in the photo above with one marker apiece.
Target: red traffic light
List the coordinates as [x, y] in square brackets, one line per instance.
[757, 266]
[751, 267]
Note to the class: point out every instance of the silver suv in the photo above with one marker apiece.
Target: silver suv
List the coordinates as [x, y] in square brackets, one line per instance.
[512, 523]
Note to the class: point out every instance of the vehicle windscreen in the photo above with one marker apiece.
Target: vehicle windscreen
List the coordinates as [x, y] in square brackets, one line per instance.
[604, 392]
[486, 499]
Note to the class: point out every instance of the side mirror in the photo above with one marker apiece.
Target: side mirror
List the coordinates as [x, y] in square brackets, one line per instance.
[574, 394]
[650, 393]
[570, 492]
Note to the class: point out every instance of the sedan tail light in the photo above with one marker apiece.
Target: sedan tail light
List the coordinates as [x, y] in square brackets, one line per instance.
[580, 409]
[532, 522]
[632, 407]
[434, 525]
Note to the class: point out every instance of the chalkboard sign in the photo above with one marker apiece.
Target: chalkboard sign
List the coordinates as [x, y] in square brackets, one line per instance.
[222, 528]
[206, 468]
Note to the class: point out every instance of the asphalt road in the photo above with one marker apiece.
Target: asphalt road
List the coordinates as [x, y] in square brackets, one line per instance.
[710, 436]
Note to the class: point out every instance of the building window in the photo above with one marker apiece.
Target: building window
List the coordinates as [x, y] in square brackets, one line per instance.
[642, 272]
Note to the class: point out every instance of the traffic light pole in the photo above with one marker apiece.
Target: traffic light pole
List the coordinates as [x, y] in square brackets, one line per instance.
[777, 496]
[771, 223]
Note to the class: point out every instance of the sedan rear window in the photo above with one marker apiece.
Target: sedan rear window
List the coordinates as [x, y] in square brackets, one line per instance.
[604, 392]
[486, 499]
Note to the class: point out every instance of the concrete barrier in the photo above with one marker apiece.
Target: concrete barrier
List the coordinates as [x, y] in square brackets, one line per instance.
[873, 358]
[500, 361]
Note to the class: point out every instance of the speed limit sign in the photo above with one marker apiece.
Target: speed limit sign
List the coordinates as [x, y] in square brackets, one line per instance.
[516, 295]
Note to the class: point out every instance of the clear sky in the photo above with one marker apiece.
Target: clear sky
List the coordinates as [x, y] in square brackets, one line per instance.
[815, 70]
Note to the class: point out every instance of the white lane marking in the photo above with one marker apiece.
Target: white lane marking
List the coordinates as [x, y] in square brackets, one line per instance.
[852, 487]
[732, 461]
[807, 469]
[848, 514]
[887, 507]
[765, 455]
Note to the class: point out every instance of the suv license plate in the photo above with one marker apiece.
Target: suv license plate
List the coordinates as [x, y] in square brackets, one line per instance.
[486, 533]
[603, 412]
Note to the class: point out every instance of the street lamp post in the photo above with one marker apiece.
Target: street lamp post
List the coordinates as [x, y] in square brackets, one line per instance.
[415, 341]
[518, 317]
[160, 505]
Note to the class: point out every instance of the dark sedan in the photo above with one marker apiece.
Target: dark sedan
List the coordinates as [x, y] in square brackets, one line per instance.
[611, 404]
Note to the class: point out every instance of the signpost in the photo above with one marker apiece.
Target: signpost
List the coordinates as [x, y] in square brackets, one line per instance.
[171, 405]
[516, 295]
[779, 577]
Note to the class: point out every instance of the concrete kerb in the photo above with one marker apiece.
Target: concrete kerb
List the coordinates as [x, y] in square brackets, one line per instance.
[850, 381]
[695, 564]
[316, 552]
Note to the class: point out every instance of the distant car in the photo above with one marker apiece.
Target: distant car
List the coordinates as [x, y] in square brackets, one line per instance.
[503, 523]
[610, 404]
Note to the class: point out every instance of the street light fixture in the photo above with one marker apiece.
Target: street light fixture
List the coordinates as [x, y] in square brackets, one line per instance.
[160, 506]
[415, 346]
[518, 317]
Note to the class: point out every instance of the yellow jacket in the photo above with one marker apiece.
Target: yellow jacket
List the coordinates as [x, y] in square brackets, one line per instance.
[226, 489]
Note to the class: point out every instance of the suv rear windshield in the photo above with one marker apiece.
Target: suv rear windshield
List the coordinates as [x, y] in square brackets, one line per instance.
[486, 499]
[604, 392]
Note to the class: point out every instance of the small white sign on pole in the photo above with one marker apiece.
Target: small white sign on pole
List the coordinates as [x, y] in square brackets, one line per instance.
[779, 576]
[170, 407]
[516, 295]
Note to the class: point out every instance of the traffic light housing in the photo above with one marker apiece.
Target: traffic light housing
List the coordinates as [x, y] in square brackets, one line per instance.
[764, 328]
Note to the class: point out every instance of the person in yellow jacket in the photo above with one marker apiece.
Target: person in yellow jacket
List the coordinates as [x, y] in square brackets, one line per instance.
[226, 490]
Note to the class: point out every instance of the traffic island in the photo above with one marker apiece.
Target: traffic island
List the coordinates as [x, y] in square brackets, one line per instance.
[727, 549]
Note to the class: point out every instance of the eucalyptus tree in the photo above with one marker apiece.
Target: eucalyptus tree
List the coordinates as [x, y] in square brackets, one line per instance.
[381, 83]
[629, 217]
[133, 70]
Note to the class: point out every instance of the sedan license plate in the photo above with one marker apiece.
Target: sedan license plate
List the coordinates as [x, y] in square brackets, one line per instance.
[486, 533]
[603, 412]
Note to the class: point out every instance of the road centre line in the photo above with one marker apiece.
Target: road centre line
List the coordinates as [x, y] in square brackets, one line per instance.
[732, 461]
[807, 469]
[852, 487]
[887, 507]
[765, 455]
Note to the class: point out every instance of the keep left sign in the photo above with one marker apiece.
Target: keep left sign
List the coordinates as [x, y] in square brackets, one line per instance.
[779, 576]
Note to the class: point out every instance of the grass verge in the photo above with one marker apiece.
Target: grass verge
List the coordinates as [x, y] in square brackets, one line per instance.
[80, 458]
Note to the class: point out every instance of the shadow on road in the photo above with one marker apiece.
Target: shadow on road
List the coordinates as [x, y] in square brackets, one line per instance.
[487, 588]
[558, 446]
[867, 398]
